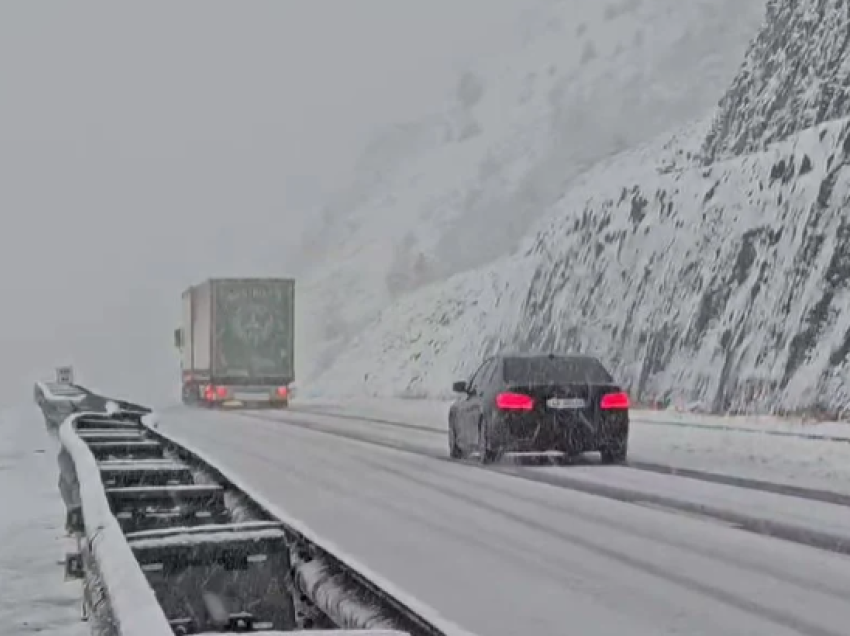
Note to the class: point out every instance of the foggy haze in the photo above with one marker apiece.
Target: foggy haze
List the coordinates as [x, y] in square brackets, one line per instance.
[147, 146]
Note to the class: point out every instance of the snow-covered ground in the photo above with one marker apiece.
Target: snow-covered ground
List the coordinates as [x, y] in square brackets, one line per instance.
[500, 555]
[35, 599]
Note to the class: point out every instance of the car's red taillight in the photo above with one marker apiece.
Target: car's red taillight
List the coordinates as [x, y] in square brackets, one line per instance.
[282, 391]
[615, 401]
[514, 402]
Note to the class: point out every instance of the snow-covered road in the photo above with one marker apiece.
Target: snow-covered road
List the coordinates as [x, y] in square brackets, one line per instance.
[499, 554]
[669, 438]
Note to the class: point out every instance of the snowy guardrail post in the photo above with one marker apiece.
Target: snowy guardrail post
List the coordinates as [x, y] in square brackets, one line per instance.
[56, 406]
[57, 402]
[116, 596]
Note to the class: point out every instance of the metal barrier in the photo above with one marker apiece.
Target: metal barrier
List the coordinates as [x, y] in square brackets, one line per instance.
[116, 596]
[160, 553]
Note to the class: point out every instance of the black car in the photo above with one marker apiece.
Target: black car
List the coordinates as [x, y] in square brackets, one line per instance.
[539, 403]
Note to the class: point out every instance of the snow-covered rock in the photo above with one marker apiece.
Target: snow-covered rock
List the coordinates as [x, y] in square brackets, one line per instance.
[726, 284]
[796, 75]
[584, 80]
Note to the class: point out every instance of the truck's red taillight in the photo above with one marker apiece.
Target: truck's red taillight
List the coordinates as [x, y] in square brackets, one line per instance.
[282, 391]
[215, 392]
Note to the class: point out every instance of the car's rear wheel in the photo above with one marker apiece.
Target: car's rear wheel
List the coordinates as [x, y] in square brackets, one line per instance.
[486, 455]
[615, 453]
[455, 451]
[563, 460]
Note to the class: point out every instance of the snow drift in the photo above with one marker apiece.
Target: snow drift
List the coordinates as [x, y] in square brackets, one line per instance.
[724, 283]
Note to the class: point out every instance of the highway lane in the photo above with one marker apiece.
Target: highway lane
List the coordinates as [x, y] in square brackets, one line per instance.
[737, 502]
[501, 555]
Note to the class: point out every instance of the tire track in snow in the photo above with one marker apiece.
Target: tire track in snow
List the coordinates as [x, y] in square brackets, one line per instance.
[785, 619]
[812, 494]
[445, 487]
[547, 504]
[826, 541]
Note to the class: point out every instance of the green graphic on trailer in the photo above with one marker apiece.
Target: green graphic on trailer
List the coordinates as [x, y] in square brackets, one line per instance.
[254, 329]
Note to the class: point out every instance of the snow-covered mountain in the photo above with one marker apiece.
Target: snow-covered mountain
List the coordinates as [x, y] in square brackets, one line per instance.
[724, 283]
[582, 81]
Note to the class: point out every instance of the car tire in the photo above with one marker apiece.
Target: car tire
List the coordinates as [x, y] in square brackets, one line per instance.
[455, 451]
[486, 455]
[563, 460]
[615, 453]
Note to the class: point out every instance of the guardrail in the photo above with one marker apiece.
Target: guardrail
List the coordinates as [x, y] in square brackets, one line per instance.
[167, 544]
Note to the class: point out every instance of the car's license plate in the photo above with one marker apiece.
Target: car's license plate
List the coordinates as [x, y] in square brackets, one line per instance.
[566, 403]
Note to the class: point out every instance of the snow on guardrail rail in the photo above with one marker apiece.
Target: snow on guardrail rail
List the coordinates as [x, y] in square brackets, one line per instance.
[167, 544]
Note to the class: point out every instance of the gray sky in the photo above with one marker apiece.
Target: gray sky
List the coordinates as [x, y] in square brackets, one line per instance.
[147, 145]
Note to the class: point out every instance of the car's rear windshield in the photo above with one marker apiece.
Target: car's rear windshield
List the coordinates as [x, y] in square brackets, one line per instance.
[555, 370]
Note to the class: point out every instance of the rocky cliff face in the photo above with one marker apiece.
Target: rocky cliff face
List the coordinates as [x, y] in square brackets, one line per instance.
[796, 75]
[727, 286]
[724, 284]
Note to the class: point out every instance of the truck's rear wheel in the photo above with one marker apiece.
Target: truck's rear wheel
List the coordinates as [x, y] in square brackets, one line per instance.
[190, 394]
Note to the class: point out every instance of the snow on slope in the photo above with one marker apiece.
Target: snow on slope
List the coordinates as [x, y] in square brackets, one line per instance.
[585, 80]
[426, 339]
[724, 284]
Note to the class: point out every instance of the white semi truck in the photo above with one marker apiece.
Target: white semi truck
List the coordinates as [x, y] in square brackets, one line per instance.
[236, 342]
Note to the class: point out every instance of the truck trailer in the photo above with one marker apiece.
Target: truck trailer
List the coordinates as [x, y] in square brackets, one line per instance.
[236, 342]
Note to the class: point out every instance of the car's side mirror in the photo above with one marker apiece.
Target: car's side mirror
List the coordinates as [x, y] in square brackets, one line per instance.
[178, 338]
[460, 387]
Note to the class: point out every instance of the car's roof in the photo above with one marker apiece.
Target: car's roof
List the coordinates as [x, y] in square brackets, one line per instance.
[537, 355]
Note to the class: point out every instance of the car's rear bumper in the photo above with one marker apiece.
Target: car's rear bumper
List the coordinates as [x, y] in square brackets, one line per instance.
[522, 433]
